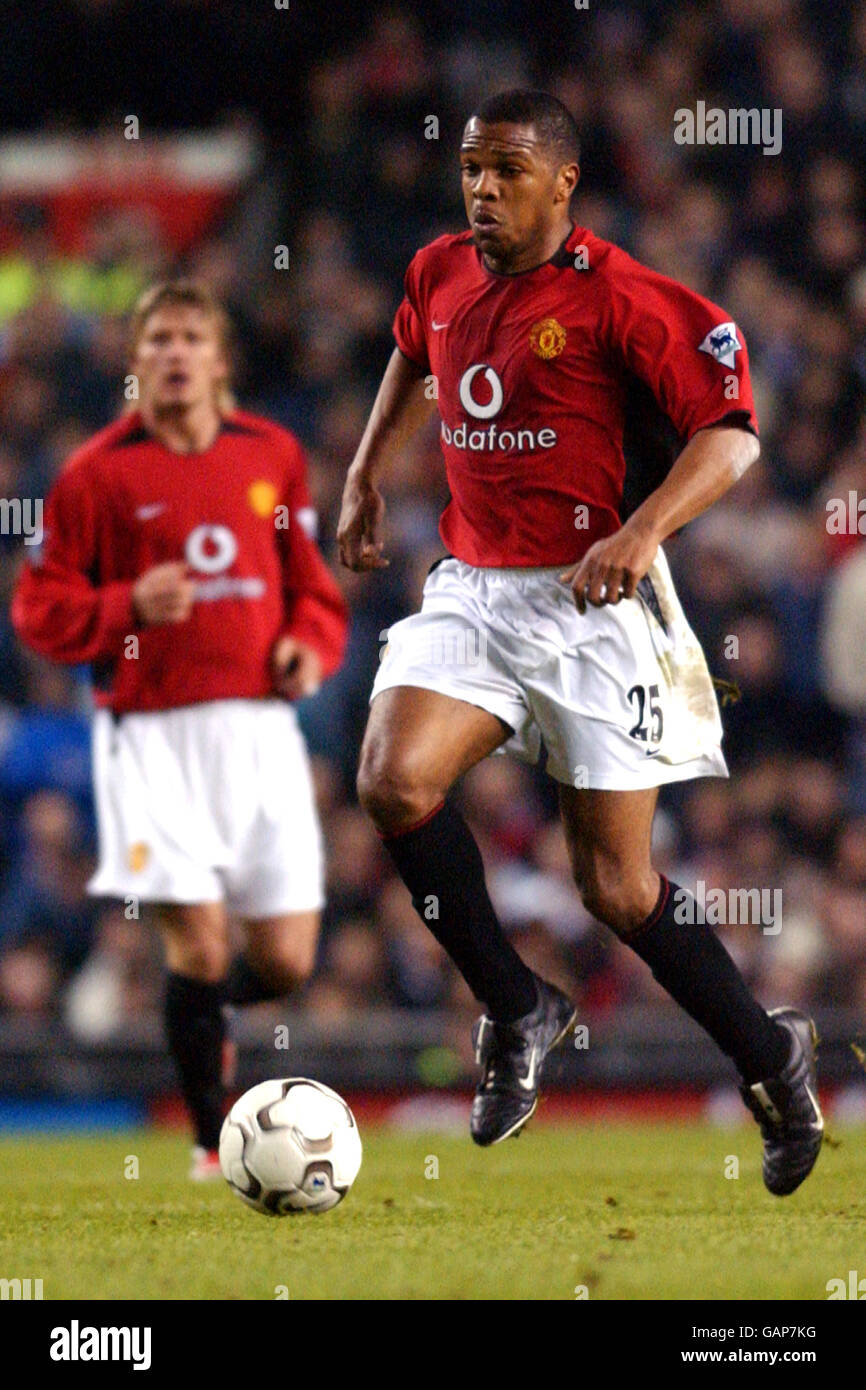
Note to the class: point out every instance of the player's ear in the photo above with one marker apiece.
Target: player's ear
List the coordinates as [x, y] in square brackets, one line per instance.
[567, 181]
[224, 394]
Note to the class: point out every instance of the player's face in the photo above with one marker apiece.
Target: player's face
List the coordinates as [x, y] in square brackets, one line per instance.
[180, 360]
[515, 197]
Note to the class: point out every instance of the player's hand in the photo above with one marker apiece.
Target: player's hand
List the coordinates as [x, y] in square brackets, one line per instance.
[297, 669]
[612, 568]
[163, 594]
[359, 529]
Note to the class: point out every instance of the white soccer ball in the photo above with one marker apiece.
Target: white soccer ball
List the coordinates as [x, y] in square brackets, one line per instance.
[290, 1146]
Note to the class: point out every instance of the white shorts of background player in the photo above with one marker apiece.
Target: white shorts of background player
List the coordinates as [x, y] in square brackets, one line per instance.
[210, 802]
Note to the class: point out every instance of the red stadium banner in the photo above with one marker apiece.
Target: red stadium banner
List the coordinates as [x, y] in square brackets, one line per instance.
[181, 182]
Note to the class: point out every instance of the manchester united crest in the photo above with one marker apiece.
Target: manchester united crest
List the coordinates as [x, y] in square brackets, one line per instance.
[547, 338]
[262, 497]
[138, 856]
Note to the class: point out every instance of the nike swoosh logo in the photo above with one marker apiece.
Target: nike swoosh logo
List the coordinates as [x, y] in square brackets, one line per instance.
[149, 510]
[529, 1083]
[817, 1124]
[436, 326]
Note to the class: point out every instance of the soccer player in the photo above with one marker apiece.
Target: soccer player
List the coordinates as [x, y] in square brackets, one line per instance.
[178, 560]
[553, 620]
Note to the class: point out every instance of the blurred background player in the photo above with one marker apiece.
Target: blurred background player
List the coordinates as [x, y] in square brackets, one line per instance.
[534, 331]
[178, 560]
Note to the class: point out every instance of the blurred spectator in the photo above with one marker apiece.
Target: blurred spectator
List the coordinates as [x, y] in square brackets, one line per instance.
[28, 983]
[43, 899]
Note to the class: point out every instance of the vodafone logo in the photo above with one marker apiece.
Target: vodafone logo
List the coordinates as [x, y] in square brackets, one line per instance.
[210, 549]
[469, 404]
[493, 438]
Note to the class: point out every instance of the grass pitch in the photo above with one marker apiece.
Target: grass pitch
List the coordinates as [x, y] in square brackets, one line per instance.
[627, 1211]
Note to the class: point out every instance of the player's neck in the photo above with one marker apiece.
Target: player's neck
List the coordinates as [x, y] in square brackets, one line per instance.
[534, 256]
[183, 429]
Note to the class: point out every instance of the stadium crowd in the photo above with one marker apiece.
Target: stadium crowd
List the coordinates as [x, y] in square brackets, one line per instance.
[775, 589]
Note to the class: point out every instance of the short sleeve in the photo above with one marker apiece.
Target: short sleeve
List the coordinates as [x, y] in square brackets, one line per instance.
[686, 349]
[408, 323]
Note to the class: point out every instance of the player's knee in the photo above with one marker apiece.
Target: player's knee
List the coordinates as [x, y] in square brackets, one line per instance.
[202, 960]
[394, 793]
[618, 896]
[289, 966]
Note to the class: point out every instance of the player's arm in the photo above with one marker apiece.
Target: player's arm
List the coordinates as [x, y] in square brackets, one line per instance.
[401, 407]
[63, 609]
[661, 331]
[708, 466]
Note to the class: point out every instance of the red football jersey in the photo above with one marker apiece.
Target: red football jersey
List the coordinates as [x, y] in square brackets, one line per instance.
[238, 513]
[533, 376]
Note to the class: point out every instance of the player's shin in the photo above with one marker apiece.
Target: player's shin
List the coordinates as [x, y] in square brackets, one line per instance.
[690, 962]
[195, 1029]
[441, 865]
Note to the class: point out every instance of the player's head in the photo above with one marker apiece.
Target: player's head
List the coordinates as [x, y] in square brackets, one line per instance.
[180, 348]
[519, 163]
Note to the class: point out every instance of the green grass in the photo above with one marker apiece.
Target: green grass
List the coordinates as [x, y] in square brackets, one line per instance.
[629, 1211]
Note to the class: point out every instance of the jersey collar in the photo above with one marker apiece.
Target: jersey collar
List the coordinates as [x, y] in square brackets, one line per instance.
[560, 260]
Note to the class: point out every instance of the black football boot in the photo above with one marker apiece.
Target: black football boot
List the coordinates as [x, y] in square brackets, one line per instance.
[786, 1107]
[512, 1055]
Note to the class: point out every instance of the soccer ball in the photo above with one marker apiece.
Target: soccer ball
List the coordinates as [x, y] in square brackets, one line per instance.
[290, 1146]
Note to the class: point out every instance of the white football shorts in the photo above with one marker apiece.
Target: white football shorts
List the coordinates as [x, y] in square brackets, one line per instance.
[620, 697]
[209, 802]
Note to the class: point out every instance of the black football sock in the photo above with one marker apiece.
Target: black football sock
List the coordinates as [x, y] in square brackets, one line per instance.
[244, 985]
[441, 865]
[690, 962]
[195, 1029]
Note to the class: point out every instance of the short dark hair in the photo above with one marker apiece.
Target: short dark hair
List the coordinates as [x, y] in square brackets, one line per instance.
[554, 124]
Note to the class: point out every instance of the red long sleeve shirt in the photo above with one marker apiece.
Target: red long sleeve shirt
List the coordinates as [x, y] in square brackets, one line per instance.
[238, 514]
